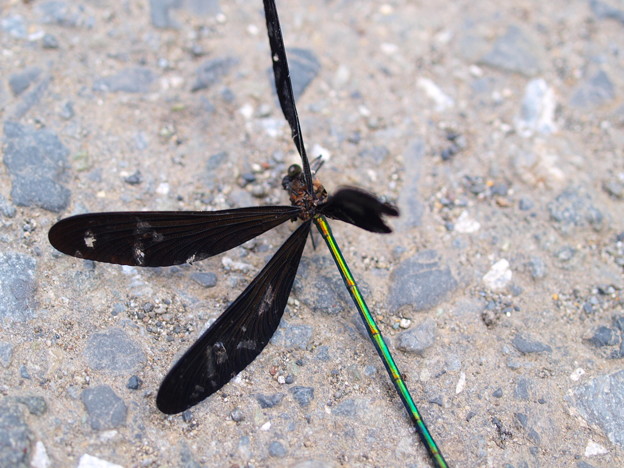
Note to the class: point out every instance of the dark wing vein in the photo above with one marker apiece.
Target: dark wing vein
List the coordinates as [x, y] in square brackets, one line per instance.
[238, 335]
[162, 238]
[283, 84]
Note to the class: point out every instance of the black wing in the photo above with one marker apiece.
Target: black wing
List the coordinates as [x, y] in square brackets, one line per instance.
[161, 238]
[360, 208]
[284, 86]
[238, 335]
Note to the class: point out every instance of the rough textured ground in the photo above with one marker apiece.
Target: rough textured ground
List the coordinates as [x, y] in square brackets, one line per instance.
[498, 131]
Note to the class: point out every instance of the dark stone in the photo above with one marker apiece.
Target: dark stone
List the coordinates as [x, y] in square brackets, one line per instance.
[528, 346]
[66, 14]
[302, 395]
[304, 67]
[604, 336]
[600, 402]
[36, 405]
[17, 287]
[376, 154]
[237, 415]
[31, 98]
[346, 408]
[212, 71]
[160, 11]
[6, 351]
[134, 179]
[417, 339]
[205, 279]
[36, 160]
[572, 209]
[594, 92]
[326, 293]
[269, 401]
[537, 267]
[276, 449]
[134, 383]
[15, 26]
[603, 10]
[515, 52]
[129, 80]
[6, 208]
[292, 336]
[19, 82]
[521, 392]
[105, 409]
[48, 41]
[525, 204]
[420, 282]
[16, 438]
[113, 351]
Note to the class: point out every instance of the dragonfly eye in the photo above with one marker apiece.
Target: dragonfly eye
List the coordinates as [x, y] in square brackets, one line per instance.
[294, 170]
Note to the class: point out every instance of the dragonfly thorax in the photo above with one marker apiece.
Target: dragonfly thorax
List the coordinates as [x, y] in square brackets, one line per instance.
[294, 183]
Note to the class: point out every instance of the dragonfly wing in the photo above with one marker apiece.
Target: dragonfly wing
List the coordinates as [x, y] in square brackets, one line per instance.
[238, 335]
[283, 84]
[360, 208]
[161, 238]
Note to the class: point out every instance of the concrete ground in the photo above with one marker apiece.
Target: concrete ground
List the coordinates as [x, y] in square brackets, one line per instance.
[495, 127]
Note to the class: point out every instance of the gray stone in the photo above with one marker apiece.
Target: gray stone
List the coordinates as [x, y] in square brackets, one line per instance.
[603, 10]
[420, 282]
[6, 208]
[36, 405]
[66, 14]
[276, 449]
[347, 408]
[16, 438]
[19, 82]
[417, 339]
[17, 287]
[134, 383]
[325, 294]
[36, 160]
[129, 80]
[31, 98]
[601, 402]
[604, 336]
[593, 92]
[6, 352]
[269, 401]
[302, 395]
[292, 336]
[515, 51]
[15, 26]
[49, 41]
[537, 267]
[376, 154]
[304, 67]
[160, 11]
[573, 208]
[212, 71]
[521, 391]
[105, 409]
[113, 351]
[205, 279]
[528, 346]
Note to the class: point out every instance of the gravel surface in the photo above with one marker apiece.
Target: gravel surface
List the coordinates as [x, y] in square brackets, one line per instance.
[496, 127]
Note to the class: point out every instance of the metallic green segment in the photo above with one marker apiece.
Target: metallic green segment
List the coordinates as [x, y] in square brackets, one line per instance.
[380, 344]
